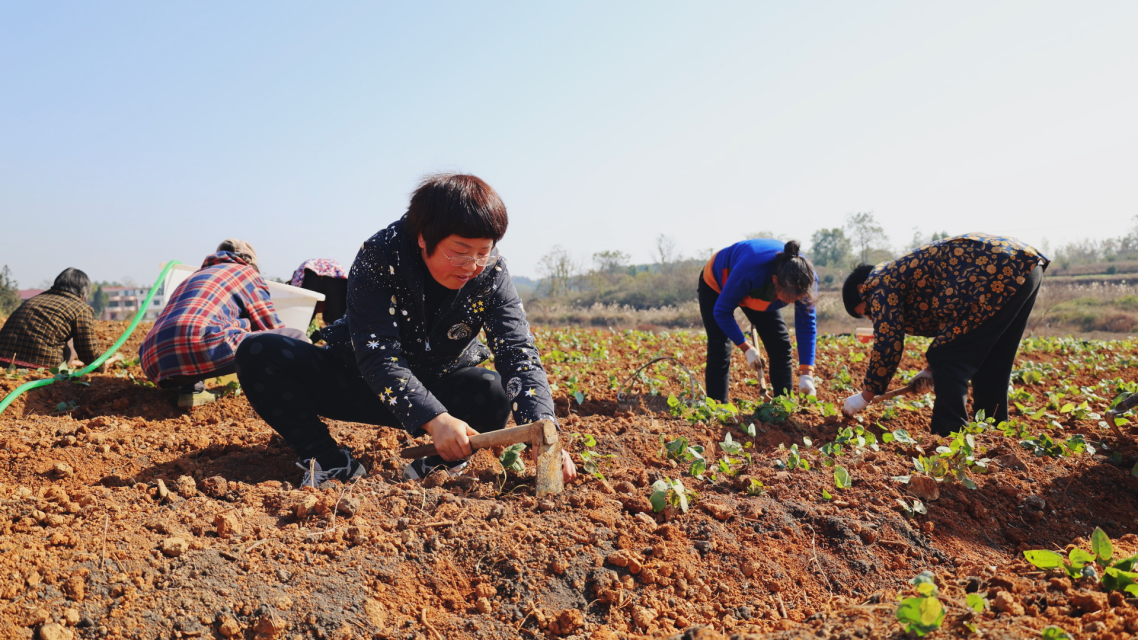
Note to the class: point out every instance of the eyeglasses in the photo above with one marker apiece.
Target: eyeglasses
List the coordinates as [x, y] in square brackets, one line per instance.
[462, 261]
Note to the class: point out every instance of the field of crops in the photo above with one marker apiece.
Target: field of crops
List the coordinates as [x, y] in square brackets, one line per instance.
[124, 517]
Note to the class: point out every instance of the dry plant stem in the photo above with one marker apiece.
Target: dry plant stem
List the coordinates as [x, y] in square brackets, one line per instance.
[781, 606]
[423, 618]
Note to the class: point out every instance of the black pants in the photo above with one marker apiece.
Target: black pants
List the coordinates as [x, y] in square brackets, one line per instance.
[292, 384]
[772, 331]
[985, 355]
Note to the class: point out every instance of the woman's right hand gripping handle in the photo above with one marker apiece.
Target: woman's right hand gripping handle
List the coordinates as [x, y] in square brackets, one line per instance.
[451, 436]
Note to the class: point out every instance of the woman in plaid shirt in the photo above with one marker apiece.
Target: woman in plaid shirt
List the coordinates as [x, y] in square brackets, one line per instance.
[205, 319]
[37, 332]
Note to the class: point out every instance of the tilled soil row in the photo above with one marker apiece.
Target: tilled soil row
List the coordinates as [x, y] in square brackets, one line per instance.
[127, 518]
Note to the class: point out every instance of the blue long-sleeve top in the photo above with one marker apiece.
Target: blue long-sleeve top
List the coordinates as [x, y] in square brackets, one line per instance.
[742, 274]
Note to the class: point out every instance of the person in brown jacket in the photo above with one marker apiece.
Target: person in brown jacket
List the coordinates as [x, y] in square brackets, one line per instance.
[37, 332]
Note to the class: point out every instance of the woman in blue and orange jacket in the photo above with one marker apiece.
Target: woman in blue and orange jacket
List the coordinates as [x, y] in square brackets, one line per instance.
[761, 276]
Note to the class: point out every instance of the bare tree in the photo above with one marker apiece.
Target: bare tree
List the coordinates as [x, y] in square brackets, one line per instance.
[559, 267]
[867, 235]
[666, 253]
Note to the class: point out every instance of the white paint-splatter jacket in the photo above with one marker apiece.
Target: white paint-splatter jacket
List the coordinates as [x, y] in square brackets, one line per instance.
[397, 352]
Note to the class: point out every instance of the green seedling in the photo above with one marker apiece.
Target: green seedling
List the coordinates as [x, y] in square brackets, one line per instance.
[594, 463]
[64, 407]
[1079, 563]
[1044, 445]
[900, 436]
[924, 613]
[826, 495]
[1055, 633]
[976, 602]
[667, 492]
[914, 509]
[793, 460]
[756, 487]
[511, 458]
[842, 478]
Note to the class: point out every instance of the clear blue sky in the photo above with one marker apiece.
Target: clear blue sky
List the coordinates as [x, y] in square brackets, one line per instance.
[132, 133]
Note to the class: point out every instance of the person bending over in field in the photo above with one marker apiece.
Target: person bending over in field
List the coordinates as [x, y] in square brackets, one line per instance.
[406, 355]
[761, 276]
[328, 277]
[196, 335]
[37, 332]
[973, 294]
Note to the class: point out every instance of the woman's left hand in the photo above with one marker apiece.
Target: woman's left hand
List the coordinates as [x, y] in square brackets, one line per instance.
[568, 468]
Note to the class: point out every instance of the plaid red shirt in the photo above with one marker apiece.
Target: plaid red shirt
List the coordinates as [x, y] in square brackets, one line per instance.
[205, 319]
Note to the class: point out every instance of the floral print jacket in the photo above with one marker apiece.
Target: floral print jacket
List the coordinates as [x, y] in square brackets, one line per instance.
[942, 290]
[396, 351]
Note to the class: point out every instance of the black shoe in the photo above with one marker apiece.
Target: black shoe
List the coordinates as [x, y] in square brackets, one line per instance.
[422, 467]
[315, 475]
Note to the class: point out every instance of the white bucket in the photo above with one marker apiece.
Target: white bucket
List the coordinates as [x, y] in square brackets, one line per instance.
[176, 276]
[294, 305]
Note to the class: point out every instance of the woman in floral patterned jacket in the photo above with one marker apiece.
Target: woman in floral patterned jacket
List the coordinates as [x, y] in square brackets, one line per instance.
[407, 354]
[972, 294]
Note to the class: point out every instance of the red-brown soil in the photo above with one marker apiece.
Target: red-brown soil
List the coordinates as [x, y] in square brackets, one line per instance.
[89, 543]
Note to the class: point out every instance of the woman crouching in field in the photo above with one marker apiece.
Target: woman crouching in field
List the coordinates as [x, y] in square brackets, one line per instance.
[196, 335]
[762, 277]
[973, 294]
[407, 354]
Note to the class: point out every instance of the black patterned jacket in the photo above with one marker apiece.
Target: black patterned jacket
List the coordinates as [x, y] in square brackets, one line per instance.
[397, 352]
[942, 290]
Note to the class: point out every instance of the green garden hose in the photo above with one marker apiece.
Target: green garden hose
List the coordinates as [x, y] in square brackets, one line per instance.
[11, 397]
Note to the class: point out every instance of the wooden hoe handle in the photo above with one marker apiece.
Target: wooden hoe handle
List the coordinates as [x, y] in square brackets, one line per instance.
[541, 435]
[502, 437]
[905, 390]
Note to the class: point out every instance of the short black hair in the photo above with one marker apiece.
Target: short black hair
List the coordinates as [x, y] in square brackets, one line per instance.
[851, 297]
[454, 204]
[795, 273]
[73, 281]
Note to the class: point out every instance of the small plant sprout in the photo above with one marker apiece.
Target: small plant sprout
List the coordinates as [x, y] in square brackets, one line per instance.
[924, 613]
[511, 458]
[914, 509]
[756, 487]
[593, 462]
[842, 478]
[1055, 633]
[793, 460]
[826, 495]
[1079, 563]
[667, 492]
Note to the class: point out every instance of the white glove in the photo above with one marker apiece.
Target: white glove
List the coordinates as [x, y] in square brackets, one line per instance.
[753, 359]
[923, 381]
[854, 404]
[806, 384]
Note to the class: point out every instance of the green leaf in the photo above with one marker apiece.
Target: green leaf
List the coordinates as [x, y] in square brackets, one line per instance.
[1117, 580]
[887, 437]
[1126, 564]
[842, 478]
[1100, 544]
[659, 500]
[579, 396]
[1055, 633]
[977, 602]
[511, 458]
[826, 495]
[1044, 559]
[920, 615]
[698, 467]
[1080, 558]
[62, 406]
